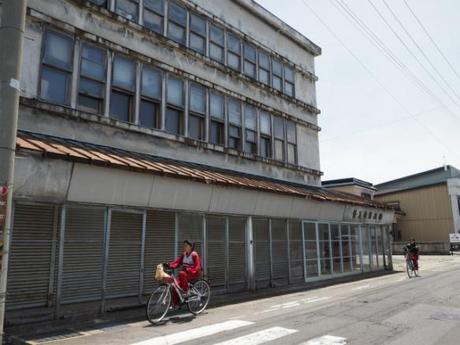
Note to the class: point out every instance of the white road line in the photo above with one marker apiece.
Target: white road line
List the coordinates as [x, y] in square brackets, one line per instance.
[326, 340]
[260, 337]
[362, 287]
[315, 299]
[191, 334]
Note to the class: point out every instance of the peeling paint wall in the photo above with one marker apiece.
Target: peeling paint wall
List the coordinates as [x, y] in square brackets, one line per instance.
[130, 38]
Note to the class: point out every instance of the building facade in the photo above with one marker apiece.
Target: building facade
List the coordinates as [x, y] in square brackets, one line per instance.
[351, 185]
[429, 202]
[146, 122]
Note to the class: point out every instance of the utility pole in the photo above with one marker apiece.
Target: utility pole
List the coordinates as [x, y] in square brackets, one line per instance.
[11, 43]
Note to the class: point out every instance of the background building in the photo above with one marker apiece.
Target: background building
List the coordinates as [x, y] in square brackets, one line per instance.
[146, 122]
[351, 185]
[430, 202]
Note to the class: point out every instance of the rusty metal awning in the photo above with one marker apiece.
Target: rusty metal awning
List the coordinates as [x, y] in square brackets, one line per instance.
[68, 149]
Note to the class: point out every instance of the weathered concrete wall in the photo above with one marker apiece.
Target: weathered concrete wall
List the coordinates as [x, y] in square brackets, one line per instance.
[62, 181]
[453, 187]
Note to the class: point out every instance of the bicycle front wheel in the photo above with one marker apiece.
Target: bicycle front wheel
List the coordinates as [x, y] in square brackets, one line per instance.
[200, 294]
[410, 269]
[158, 304]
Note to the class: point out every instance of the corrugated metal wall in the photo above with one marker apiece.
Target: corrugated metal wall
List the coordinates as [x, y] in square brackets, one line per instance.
[237, 254]
[279, 248]
[261, 230]
[216, 229]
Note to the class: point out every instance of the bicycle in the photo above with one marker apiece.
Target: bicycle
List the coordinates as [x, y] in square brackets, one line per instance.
[410, 266]
[159, 303]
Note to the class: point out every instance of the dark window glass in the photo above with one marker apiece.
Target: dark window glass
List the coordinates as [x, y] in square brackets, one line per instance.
[234, 111]
[92, 79]
[264, 68]
[92, 88]
[197, 98]
[251, 142]
[277, 78]
[291, 131]
[58, 51]
[292, 142]
[234, 52]
[175, 91]
[177, 16]
[151, 82]
[234, 137]
[101, 3]
[216, 133]
[249, 60]
[55, 85]
[289, 81]
[216, 43]
[128, 9]
[93, 62]
[197, 34]
[149, 114]
[90, 104]
[278, 127]
[279, 150]
[250, 117]
[124, 73]
[154, 15]
[173, 122]
[216, 108]
[265, 123]
[265, 147]
[196, 127]
[120, 106]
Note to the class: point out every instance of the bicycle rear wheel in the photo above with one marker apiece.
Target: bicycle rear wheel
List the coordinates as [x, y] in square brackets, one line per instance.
[200, 294]
[410, 268]
[158, 304]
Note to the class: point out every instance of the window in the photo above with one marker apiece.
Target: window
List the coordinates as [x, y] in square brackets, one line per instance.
[277, 75]
[197, 115]
[217, 119]
[458, 202]
[197, 34]
[100, 3]
[149, 109]
[177, 22]
[265, 134]
[234, 124]
[289, 81]
[128, 9]
[250, 60]
[92, 79]
[278, 127]
[154, 11]
[234, 52]
[216, 43]
[175, 108]
[57, 66]
[264, 68]
[123, 88]
[250, 123]
[291, 142]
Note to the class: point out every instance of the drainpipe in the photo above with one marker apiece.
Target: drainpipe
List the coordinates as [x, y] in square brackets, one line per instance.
[11, 42]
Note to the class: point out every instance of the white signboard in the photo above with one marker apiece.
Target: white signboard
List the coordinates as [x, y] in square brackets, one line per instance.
[454, 238]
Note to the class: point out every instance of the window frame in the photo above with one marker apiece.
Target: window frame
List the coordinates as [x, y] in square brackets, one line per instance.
[232, 125]
[146, 8]
[103, 81]
[231, 35]
[149, 98]
[174, 22]
[266, 136]
[276, 75]
[253, 131]
[67, 71]
[291, 142]
[246, 60]
[119, 89]
[279, 139]
[118, 12]
[175, 107]
[289, 82]
[200, 35]
[217, 120]
[197, 114]
[220, 45]
[261, 67]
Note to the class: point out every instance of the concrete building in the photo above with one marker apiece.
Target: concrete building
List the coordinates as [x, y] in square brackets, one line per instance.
[146, 122]
[351, 185]
[429, 201]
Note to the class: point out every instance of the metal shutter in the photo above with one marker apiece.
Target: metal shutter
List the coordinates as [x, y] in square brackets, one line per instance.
[216, 249]
[237, 257]
[160, 238]
[83, 254]
[261, 237]
[191, 228]
[296, 252]
[124, 263]
[280, 261]
[30, 271]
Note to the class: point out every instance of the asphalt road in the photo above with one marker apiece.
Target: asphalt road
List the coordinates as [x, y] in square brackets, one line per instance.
[391, 309]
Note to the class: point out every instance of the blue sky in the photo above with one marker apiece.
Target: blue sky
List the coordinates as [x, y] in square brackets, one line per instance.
[367, 133]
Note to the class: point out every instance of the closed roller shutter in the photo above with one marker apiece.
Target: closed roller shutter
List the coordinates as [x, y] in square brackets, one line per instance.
[295, 252]
[261, 252]
[83, 254]
[159, 244]
[123, 269]
[237, 257]
[280, 261]
[32, 248]
[191, 229]
[216, 252]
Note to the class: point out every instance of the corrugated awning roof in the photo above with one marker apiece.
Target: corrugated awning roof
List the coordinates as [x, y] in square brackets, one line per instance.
[56, 147]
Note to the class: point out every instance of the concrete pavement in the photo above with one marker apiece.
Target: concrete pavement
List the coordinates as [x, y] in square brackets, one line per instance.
[390, 309]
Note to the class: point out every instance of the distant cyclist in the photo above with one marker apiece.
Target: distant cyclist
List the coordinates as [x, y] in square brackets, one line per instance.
[412, 250]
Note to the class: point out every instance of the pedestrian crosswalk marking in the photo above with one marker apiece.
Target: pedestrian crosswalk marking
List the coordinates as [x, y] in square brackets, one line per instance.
[326, 340]
[260, 337]
[196, 333]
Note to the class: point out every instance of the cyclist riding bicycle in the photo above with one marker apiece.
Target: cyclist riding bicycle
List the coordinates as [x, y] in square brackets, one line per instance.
[411, 249]
[190, 265]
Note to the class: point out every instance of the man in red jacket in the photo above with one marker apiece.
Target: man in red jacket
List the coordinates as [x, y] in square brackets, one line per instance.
[191, 268]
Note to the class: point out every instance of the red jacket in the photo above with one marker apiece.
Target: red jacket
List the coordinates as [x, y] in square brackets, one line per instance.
[193, 269]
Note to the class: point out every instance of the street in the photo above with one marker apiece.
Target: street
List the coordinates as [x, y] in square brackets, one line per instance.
[391, 309]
